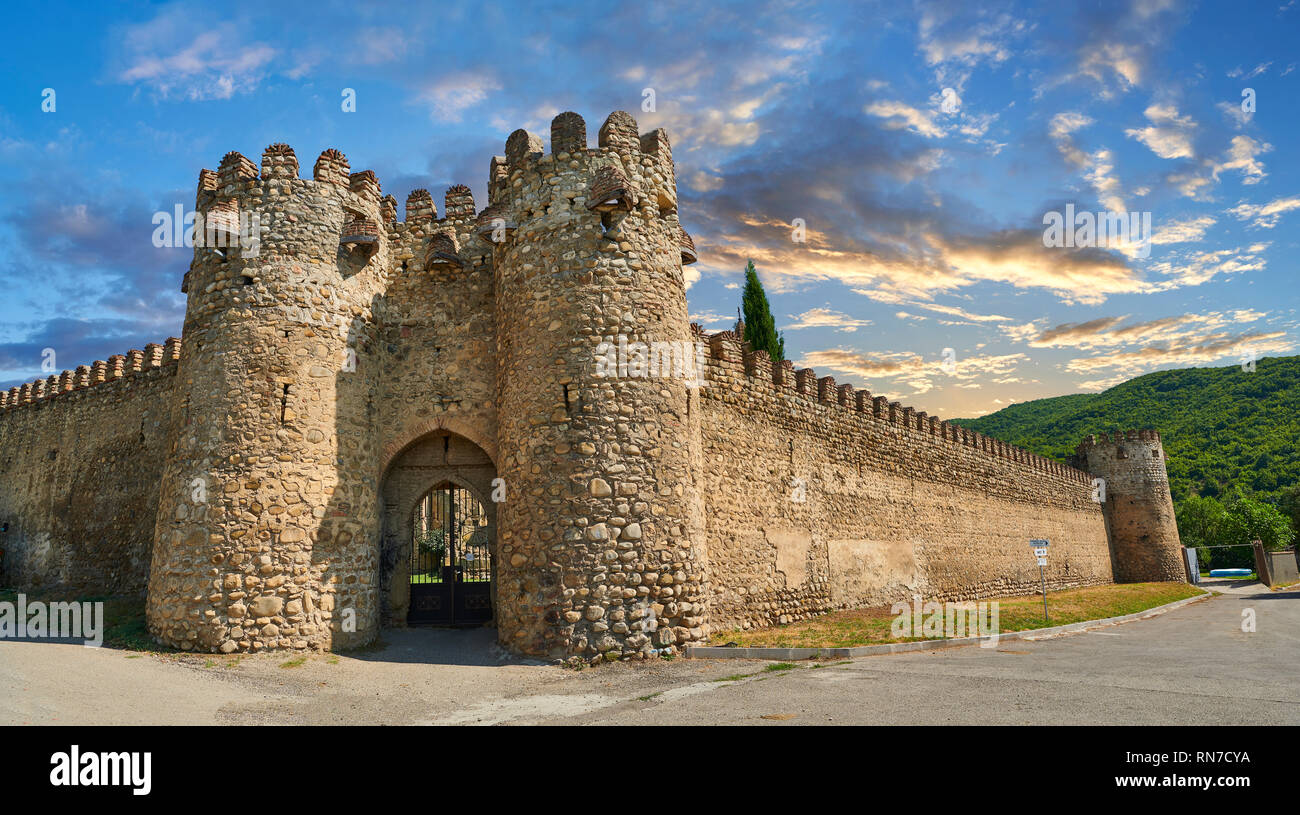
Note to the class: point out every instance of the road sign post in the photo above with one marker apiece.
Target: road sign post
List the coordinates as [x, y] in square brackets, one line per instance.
[1040, 551]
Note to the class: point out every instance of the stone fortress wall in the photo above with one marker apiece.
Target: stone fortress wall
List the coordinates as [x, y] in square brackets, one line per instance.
[254, 479]
[81, 457]
[822, 497]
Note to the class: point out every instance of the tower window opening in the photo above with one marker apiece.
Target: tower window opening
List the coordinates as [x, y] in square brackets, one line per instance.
[284, 399]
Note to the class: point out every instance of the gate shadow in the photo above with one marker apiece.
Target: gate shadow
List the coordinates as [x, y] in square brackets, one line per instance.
[439, 646]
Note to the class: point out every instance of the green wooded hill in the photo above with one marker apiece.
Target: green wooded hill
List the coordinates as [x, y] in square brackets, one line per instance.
[1222, 428]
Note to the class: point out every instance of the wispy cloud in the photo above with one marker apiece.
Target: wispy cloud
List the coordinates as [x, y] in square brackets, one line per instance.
[826, 318]
[450, 96]
[1187, 230]
[1169, 135]
[899, 115]
[893, 373]
[1266, 216]
[181, 53]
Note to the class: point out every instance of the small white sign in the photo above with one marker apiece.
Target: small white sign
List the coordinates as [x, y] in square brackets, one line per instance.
[1042, 561]
[1040, 551]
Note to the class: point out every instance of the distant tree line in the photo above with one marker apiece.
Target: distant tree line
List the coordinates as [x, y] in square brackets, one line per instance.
[1204, 521]
[1231, 441]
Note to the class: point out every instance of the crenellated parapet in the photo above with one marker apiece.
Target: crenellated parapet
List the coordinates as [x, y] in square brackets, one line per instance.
[85, 378]
[1117, 437]
[732, 362]
[250, 217]
[625, 172]
[535, 193]
[426, 241]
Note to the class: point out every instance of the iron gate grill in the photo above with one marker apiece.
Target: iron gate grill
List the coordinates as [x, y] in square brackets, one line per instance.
[451, 559]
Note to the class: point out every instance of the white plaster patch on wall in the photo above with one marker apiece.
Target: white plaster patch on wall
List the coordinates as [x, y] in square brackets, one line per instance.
[862, 570]
[791, 554]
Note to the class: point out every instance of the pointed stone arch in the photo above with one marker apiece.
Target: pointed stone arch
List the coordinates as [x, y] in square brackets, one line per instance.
[411, 470]
[409, 436]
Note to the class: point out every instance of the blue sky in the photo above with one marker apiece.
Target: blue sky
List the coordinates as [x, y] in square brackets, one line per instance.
[919, 144]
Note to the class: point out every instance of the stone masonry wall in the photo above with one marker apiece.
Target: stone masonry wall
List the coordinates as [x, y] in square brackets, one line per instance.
[437, 330]
[277, 387]
[601, 544]
[1139, 505]
[81, 455]
[437, 357]
[895, 503]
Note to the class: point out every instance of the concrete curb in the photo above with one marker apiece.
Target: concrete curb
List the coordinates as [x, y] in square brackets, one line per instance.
[718, 652]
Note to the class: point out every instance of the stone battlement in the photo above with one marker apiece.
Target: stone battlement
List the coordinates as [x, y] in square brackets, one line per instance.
[1117, 437]
[730, 358]
[115, 368]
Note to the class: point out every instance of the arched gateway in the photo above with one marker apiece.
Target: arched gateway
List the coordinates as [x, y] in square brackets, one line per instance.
[439, 534]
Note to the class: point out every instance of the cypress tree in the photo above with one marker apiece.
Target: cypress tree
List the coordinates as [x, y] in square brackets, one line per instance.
[759, 325]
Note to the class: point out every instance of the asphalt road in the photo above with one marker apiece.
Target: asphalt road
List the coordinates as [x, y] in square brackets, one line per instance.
[1193, 665]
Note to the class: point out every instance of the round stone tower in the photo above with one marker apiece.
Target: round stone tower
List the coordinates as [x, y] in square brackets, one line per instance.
[1138, 508]
[267, 524]
[600, 538]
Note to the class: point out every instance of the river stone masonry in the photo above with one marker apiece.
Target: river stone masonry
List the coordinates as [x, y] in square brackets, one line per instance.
[255, 479]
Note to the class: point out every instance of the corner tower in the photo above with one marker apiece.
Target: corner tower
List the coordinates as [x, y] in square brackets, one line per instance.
[267, 524]
[1138, 508]
[600, 538]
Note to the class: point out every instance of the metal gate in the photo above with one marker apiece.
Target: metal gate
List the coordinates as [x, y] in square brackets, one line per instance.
[451, 560]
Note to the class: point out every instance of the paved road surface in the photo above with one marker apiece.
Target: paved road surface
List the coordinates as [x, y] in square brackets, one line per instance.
[1190, 666]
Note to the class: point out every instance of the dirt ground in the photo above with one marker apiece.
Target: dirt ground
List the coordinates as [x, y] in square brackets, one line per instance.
[1193, 665]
